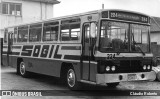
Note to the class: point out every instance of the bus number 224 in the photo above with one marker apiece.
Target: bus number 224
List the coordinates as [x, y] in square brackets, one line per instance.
[111, 56]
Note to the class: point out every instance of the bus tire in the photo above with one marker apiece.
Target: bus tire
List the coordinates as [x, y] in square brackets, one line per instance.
[71, 79]
[112, 85]
[22, 69]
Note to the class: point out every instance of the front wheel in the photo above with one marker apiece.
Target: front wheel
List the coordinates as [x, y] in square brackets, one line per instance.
[22, 70]
[72, 80]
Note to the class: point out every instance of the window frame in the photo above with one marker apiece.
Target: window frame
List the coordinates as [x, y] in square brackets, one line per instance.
[15, 37]
[25, 26]
[35, 27]
[5, 40]
[50, 26]
[68, 23]
[9, 8]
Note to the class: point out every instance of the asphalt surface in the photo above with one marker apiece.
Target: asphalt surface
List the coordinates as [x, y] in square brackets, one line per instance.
[57, 90]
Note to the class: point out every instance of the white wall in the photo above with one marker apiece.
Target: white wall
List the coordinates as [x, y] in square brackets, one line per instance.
[155, 37]
[31, 11]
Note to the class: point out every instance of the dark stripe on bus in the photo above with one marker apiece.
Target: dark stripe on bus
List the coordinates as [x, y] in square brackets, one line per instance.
[57, 55]
[16, 47]
[27, 50]
[5, 46]
[70, 47]
[87, 58]
[51, 51]
[4, 52]
[72, 57]
[44, 51]
[12, 53]
[15, 53]
[36, 50]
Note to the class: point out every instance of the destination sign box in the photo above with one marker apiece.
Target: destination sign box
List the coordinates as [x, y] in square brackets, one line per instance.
[128, 16]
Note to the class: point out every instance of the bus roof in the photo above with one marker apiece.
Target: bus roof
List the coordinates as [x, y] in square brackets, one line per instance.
[78, 15]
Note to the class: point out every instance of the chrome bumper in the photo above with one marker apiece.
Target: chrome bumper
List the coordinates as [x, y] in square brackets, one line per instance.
[119, 77]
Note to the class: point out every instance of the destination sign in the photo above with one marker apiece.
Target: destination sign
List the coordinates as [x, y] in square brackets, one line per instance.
[120, 15]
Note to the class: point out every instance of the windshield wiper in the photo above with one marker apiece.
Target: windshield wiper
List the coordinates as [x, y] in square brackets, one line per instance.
[140, 49]
[135, 44]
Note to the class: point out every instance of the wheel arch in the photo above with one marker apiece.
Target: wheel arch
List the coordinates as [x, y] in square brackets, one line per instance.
[19, 60]
[66, 65]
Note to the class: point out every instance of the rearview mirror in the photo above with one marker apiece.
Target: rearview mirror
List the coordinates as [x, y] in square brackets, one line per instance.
[93, 30]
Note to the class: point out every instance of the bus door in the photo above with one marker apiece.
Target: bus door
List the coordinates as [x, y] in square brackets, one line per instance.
[10, 43]
[87, 50]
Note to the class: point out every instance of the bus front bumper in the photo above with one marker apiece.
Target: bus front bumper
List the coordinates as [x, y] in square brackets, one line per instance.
[119, 77]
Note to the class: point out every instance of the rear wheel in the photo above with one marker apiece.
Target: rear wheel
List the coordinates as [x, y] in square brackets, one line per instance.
[113, 84]
[22, 69]
[71, 79]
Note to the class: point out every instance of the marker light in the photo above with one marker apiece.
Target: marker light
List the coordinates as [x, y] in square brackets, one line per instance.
[113, 68]
[144, 67]
[107, 68]
[148, 67]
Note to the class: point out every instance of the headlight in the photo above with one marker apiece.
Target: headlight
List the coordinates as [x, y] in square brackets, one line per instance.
[149, 67]
[144, 67]
[113, 68]
[107, 68]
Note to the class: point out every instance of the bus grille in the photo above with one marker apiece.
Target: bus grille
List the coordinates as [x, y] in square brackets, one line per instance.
[130, 66]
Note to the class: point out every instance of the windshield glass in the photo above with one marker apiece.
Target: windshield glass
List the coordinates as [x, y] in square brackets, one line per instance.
[139, 38]
[114, 37]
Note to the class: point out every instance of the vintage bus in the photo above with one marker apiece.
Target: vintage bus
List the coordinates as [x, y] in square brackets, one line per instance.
[97, 47]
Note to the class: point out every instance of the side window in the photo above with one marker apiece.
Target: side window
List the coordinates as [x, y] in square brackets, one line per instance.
[70, 30]
[5, 35]
[75, 31]
[5, 8]
[87, 31]
[35, 33]
[22, 34]
[50, 31]
[65, 35]
[18, 8]
[15, 35]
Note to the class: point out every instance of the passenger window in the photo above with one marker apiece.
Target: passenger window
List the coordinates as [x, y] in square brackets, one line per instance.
[70, 30]
[22, 34]
[35, 33]
[50, 31]
[5, 35]
[15, 35]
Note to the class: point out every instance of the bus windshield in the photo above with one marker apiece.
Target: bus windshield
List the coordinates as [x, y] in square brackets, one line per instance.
[139, 38]
[114, 37]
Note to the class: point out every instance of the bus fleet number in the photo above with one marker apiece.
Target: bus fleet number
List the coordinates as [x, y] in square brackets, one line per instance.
[111, 56]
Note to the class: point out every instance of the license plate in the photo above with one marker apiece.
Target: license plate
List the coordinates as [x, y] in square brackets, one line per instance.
[132, 77]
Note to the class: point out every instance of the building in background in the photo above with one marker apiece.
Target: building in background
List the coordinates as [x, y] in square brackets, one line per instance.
[155, 30]
[13, 12]
[155, 36]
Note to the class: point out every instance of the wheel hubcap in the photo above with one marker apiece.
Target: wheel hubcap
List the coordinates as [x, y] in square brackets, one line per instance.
[22, 68]
[71, 78]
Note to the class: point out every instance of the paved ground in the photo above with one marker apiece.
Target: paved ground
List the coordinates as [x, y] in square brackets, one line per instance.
[12, 81]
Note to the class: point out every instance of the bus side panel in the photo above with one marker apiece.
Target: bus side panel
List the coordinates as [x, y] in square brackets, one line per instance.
[77, 68]
[85, 73]
[43, 66]
[89, 72]
[13, 61]
[93, 72]
[4, 60]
